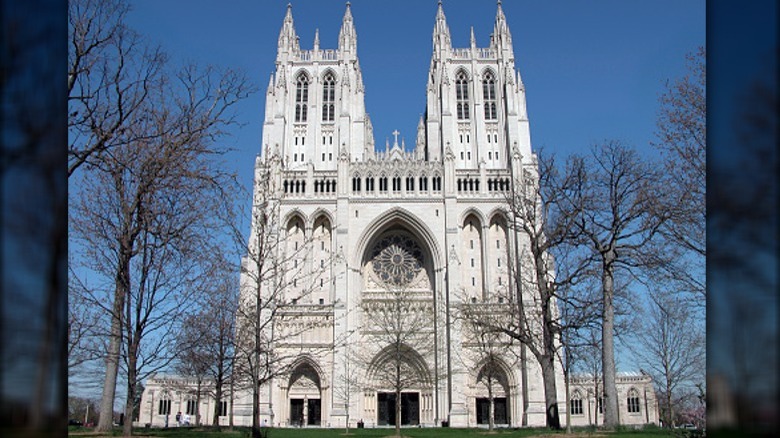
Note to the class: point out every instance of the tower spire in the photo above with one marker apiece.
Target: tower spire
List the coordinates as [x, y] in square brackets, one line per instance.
[288, 39]
[441, 32]
[503, 38]
[347, 34]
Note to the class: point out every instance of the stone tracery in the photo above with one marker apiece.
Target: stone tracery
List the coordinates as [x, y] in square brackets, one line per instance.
[396, 259]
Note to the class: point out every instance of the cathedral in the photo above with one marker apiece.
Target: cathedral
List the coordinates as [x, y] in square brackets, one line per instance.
[389, 243]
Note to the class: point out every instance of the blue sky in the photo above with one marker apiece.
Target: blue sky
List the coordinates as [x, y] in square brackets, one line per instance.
[593, 69]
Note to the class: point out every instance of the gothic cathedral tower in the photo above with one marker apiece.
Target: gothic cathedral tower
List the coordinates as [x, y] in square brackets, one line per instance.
[315, 101]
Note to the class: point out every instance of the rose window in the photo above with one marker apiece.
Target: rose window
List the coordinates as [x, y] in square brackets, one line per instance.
[397, 259]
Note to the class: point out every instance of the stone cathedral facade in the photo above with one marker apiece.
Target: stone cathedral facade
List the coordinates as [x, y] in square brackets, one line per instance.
[426, 221]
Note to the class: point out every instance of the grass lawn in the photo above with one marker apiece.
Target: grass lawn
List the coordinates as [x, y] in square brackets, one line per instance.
[380, 433]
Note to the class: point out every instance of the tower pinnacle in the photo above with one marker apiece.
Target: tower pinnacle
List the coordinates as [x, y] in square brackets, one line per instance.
[501, 34]
[441, 32]
[347, 34]
[288, 39]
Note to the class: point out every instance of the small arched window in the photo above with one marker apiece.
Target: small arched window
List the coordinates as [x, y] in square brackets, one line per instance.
[576, 403]
[328, 98]
[164, 405]
[436, 183]
[301, 97]
[633, 401]
[462, 95]
[489, 94]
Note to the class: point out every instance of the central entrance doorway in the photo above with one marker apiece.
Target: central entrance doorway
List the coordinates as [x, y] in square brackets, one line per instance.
[410, 408]
[312, 408]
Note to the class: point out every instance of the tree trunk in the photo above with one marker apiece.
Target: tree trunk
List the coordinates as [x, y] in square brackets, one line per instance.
[132, 387]
[546, 357]
[106, 420]
[547, 363]
[608, 347]
[232, 391]
[398, 412]
[255, 408]
[669, 409]
[491, 408]
[598, 395]
[197, 404]
[217, 401]
[568, 400]
[256, 357]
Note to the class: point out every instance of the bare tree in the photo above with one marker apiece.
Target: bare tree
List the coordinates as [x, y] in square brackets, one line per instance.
[682, 139]
[544, 216]
[84, 324]
[670, 343]
[348, 384]
[206, 343]
[111, 76]
[620, 219]
[589, 355]
[146, 211]
[578, 318]
[487, 343]
[276, 282]
[398, 322]
[167, 264]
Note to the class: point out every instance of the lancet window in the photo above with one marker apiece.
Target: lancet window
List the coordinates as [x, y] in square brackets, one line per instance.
[489, 94]
[328, 98]
[462, 96]
[633, 401]
[576, 403]
[301, 97]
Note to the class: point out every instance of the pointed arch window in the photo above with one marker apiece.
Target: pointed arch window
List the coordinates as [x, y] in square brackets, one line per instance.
[489, 93]
[462, 95]
[301, 97]
[356, 183]
[328, 98]
[576, 403]
[164, 406]
[633, 401]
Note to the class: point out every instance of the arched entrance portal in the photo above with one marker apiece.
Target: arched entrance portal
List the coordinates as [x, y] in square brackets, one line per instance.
[492, 386]
[398, 370]
[399, 327]
[305, 396]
